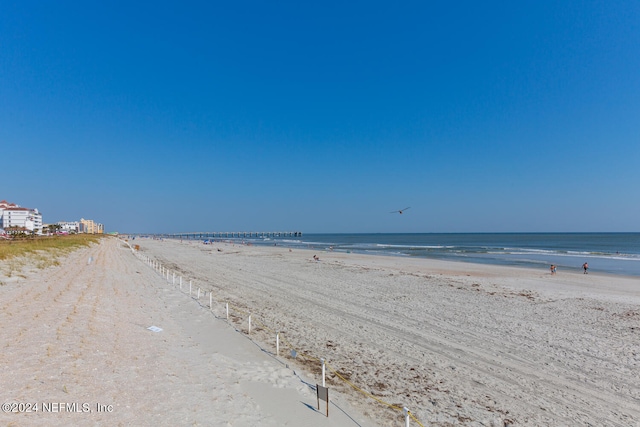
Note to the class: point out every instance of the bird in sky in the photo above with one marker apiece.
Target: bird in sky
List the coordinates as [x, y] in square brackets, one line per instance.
[400, 211]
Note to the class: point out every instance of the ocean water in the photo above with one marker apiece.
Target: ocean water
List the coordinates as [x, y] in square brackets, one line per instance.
[614, 253]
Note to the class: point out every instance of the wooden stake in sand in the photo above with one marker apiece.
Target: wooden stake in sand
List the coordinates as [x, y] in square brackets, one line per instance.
[249, 324]
[406, 416]
[211, 300]
[227, 311]
[323, 372]
[277, 343]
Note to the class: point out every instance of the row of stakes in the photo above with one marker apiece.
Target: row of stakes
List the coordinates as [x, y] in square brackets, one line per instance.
[166, 274]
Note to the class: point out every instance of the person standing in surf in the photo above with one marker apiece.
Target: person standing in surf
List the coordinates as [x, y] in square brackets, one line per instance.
[585, 266]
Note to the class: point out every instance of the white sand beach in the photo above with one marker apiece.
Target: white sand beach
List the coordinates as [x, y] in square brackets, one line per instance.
[456, 343]
[76, 349]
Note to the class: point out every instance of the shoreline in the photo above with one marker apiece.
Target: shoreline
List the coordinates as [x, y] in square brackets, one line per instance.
[525, 275]
[575, 270]
[499, 251]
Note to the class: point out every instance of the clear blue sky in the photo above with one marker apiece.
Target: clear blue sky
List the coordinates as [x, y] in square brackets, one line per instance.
[323, 117]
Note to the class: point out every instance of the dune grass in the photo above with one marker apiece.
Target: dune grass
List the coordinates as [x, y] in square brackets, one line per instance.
[54, 245]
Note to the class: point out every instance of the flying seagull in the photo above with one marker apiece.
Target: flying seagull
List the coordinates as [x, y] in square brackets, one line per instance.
[401, 210]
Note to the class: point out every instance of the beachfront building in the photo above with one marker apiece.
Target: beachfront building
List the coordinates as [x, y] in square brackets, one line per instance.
[69, 227]
[14, 217]
[90, 227]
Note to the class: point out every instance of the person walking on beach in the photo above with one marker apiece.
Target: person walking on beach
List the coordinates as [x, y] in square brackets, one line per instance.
[585, 266]
[553, 269]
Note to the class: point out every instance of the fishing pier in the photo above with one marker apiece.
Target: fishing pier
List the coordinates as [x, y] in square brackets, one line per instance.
[229, 235]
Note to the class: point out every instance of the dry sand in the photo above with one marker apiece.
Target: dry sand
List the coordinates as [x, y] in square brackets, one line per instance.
[75, 336]
[458, 344]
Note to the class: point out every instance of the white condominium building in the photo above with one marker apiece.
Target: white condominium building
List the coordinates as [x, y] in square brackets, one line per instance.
[69, 226]
[19, 218]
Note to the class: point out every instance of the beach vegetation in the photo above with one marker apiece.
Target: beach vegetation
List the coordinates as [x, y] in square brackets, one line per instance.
[41, 251]
[61, 243]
